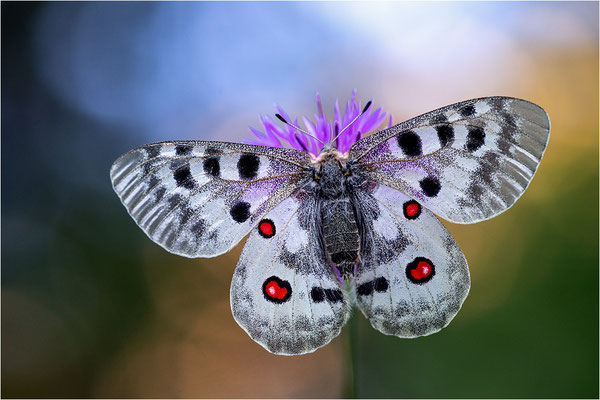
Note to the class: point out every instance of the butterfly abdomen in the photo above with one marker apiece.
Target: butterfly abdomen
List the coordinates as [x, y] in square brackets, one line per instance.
[340, 234]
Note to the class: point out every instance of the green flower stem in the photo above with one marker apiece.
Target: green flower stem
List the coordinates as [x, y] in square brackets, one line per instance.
[351, 384]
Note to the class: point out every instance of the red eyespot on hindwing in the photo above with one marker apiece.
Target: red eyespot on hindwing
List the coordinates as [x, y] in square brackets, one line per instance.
[276, 290]
[411, 209]
[266, 228]
[420, 270]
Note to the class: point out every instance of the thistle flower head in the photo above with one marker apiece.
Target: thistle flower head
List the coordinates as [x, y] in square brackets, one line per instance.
[323, 129]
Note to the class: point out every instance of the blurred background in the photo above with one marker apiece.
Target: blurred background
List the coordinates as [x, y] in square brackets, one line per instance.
[92, 308]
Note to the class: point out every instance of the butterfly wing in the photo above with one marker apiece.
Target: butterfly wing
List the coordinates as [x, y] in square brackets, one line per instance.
[284, 294]
[413, 277]
[466, 162]
[199, 199]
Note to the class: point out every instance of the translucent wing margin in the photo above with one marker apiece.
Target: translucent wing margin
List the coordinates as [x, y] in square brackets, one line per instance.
[413, 277]
[199, 199]
[284, 294]
[466, 162]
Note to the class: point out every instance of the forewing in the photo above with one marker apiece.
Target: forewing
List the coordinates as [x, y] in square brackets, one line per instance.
[284, 294]
[199, 199]
[466, 162]
[413, 277]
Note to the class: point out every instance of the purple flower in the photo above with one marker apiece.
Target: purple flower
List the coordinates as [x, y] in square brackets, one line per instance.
[323, 129]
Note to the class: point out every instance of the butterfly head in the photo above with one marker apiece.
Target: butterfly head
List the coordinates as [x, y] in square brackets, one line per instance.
[330, 171]
[329, 152]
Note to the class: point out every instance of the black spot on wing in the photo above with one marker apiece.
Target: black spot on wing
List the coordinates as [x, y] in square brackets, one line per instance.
[381, 284]
[152, 151]
[445, 134]
[430, 186]
[507, 135]
[248, 166]
[183, 149]
[365, 289]
[186, 212]
[153, 181]
[199, 227]
[484, 173]
[240, 211]
[487, 169]
[212, 166]
[497, 104]
[183, 177]
[174, 200]
[475, 139]
[410, 143]
[333, 295]
[150, 165]
[509, 120]
[160, 192]
[317, 294]
[467, 111]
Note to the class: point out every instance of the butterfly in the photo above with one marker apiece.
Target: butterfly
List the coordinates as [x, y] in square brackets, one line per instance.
[339, 229]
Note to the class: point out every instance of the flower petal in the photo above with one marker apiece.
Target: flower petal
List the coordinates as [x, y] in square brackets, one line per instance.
[322, 129]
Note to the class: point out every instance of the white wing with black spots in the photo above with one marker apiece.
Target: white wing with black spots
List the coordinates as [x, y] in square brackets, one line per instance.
[413, 277]
[365, 216]
[466, 162]
[284, 294]
[199, 199]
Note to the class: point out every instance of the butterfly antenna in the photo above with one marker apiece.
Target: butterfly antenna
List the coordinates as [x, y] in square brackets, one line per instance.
[279, 117]
[353, 121]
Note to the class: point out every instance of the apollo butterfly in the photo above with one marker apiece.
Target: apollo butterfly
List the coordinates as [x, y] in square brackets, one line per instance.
[351, 220]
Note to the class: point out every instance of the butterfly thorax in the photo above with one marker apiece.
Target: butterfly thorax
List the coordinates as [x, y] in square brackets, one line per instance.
[340, 232]
[331, 179]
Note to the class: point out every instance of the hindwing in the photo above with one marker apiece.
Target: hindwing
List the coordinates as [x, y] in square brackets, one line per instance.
[284, 294]
[413, 277]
